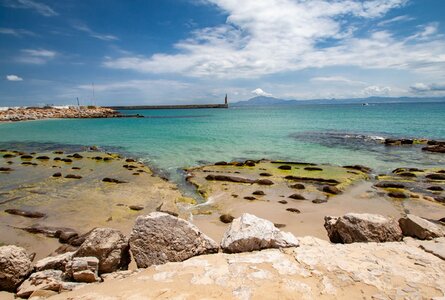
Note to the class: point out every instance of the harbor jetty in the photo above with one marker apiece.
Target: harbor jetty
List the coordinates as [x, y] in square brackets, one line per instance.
[183, 106]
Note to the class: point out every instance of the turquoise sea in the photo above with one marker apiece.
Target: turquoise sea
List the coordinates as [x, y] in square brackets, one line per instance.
[172, 139]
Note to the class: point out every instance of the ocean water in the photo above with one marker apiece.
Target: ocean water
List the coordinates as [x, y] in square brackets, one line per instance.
[170, 140]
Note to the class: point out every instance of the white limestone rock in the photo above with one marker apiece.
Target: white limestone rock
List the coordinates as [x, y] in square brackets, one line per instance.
[249, 233]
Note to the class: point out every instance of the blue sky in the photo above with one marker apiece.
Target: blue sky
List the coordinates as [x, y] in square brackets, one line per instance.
[196, 51]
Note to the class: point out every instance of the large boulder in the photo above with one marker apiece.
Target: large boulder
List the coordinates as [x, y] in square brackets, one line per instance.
[420, 228]
[354, 227]
[15, 266]
[158, 238]
[249, 233]
[57, 262]
[109, 246]
[44, 280]
[83, 269]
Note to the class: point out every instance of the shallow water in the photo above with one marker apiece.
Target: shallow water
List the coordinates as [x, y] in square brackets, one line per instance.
[173, 139]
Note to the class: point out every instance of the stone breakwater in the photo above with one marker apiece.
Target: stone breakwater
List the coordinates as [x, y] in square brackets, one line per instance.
[371, 257]
[35, 113]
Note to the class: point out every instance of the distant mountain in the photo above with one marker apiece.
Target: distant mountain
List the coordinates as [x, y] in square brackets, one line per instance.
[271, 101]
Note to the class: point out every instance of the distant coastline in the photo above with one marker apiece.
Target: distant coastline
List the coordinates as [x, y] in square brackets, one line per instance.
[272, 101]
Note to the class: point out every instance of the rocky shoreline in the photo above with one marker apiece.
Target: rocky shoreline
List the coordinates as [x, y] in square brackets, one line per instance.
[373, 252]
[81, 207]
[39, 113]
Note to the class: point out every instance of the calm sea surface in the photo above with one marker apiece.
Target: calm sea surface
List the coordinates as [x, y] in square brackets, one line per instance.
[173, 139]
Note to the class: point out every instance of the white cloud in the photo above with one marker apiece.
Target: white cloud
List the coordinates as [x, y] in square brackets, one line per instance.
[273, 36]
[337, 79]
[38, 7]
[375, 90]
[260, 92]
[36, 56]
[403, 18]
[432, 87]
[13, 78]
[16, 32]
[91, 33]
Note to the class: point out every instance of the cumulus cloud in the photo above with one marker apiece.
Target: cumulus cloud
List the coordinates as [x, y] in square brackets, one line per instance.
[272, 36]
[93, 34]
[13, 78]
[38, 7]
[375, 90]
[260, 92]
[432, 87]
[16, 32]
[36, 56]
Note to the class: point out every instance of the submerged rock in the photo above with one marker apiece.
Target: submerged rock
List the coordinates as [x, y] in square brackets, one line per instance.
[229, 178]
[285, 167]
[294, 210]
[319, 201]
[4, 169]
[264, 174]
[158, 238]
[226, 218]
[313, 169]
[297, 186]
[72, 176]
[359, 168]
[250, 233]
[398, 195]
[136, 207]
[331, 190]
[25, 213]
[354, 227]
[436, 176]
[387, 184]
[259, 193]
[420, 228]
[112, 180]
[264, 182]
[297, 197]
[42, 157]
[435, 148]
[15, 266]
[108, 245]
